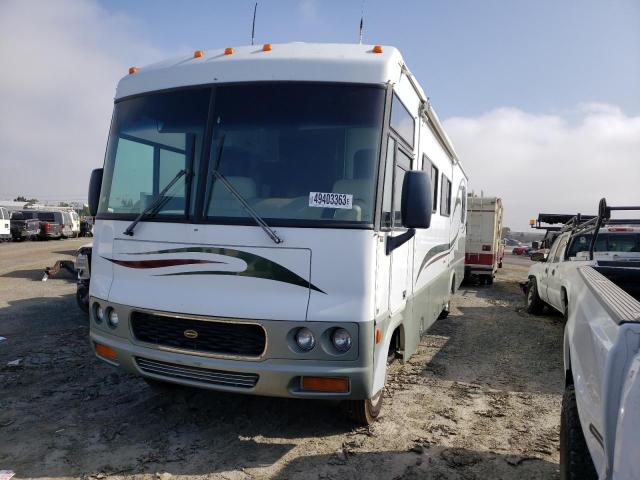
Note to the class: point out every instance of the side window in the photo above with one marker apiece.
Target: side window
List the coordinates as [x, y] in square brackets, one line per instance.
[562, 245]
[463, 212]
[385, 219]
[402, 121]
[445, 196]
[431, 169]
[552, 252]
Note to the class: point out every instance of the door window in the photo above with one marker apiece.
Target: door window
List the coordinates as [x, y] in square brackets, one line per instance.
[386, 219]
[432, 170]
[403, 163]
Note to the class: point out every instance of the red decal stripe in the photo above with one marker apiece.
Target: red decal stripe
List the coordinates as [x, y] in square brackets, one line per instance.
[169, 262]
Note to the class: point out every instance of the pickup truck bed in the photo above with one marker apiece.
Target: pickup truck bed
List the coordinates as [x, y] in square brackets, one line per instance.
[602, 361]
[626, 277]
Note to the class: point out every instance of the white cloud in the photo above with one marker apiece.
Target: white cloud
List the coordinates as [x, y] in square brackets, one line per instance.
[544, 163]
[60, 65]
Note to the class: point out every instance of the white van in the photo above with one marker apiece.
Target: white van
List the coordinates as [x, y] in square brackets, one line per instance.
[5, 225]
[274, 220]
[75, 223]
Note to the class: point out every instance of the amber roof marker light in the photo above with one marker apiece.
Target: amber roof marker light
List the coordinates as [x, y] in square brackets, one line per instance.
[266, 47]
[377, 49]
[132, 70]
[228, 51]
[198, 54]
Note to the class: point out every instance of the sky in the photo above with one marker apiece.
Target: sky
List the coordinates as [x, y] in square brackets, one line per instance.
[541, 99]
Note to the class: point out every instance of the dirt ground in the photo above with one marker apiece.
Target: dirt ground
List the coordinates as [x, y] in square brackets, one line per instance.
[479, 400]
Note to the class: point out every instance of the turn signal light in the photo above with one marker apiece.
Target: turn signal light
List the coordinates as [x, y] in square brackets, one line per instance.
[326, 384]
[532, 222]
[228, 51]
[378, 335]
[377, 49]
[266, 47]
[198, 54]
[620, 229]
[106, 352]
[132, 70]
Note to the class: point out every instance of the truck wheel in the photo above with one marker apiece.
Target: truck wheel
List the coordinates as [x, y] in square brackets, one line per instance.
[365, 412]
[575, 460]
[489, 279]
[534, 302]
[500, 264]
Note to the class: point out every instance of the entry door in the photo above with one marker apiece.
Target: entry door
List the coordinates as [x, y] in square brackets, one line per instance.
[399, 288]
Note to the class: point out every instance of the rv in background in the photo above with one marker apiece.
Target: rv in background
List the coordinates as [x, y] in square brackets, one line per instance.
[301, 193]
[484, 246]
[5, 225]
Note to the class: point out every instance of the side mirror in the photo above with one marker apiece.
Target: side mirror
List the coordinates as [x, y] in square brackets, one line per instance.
[539, 257]
[95, 184]
[415, 205]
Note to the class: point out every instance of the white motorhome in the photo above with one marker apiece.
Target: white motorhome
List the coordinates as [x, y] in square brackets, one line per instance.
[274, 220]
[5, 225]
[484, 249]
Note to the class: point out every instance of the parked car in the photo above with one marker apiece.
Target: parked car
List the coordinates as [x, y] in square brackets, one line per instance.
[5, 228]
[24, 226]
[520, 249]
[50, 223]
[599, 293]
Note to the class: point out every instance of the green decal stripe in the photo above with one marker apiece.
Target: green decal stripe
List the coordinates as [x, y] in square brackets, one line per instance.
[430, 256]
[257, 266]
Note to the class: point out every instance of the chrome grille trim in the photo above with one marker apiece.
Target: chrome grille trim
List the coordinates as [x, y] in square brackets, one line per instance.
[197, 374]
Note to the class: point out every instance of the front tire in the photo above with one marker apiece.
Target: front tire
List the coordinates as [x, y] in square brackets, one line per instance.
[365, 412]
[535, 305]
[575, 460]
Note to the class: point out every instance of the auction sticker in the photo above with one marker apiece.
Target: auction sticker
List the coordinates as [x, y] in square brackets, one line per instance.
[331, 200]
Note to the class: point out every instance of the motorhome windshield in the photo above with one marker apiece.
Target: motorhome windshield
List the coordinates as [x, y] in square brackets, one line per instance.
[298, 153]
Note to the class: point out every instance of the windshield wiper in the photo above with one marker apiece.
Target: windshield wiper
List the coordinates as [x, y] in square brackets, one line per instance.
[267, 229]
[155, 206]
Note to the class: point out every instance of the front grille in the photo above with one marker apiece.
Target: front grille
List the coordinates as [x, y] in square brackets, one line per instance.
[226, 338]
[196, 374]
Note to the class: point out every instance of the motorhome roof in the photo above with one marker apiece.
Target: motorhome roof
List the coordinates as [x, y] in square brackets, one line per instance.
[284, 62]
[297, 61]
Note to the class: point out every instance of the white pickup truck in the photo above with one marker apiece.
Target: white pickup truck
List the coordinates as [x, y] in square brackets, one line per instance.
[592, 276]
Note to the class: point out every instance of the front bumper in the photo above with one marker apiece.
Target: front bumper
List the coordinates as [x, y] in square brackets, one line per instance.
[277, 372]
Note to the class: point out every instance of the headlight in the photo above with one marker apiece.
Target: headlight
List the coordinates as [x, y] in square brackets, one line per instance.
[341, 339]
[113, 318]
[98, 312]
[305, 339]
